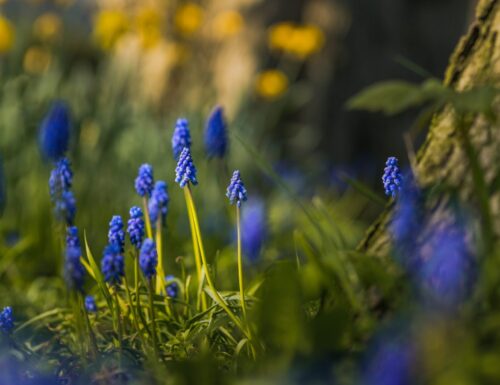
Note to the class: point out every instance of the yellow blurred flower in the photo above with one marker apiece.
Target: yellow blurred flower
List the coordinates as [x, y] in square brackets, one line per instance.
[188, 18]
[37, 60]
[109, 26]
[47, 26]
[227, 24]
[271, 84]
[7, 35]
[299, 41]
[149, 26]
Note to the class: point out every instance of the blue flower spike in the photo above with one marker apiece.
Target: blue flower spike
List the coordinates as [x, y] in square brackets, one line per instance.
[392, 177]
[116, 235]
[135, 227]
[185, 171]
[6, 320]
[172, 288]
[90, 304]
[236, 191]
[216, 141]
[55, 131]
[74, 272]
[148, 258]
[113, 265]
[181, 137]
[144, 182]
[253, 228]
[158, 204]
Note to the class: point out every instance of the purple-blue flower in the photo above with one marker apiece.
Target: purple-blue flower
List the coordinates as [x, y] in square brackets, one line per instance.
[55, 131]
[113, 265]
[74, 272]
[66, 207]
[116, 235]
[144, 182]
[392, 178]
[158, 204]
[90, 304]
[253, 228]
[61, 178]
[185, 171]
[216, 141]
[6, 320]
[72, 239]
[148, 258]
[181, 137]
[172, 287]
[236, 191]
[135, 227]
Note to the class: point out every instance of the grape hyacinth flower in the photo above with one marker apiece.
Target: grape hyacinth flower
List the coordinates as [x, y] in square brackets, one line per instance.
[6, 320]
[253, 228]
[90, 304]
[144, 182]
[181, 137]
[236, 191]
[61, 178]
[113, 265]
[185, 171]
[72, 239]
[148, 258]
[158, 204]
[172, 288]
[55, 130]
[74, 272]
[135, 227]
[216, 141]
[392, 178]
[66, 207]
[116, 235]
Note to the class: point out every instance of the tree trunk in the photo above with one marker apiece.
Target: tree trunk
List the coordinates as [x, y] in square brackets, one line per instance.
[442, 159]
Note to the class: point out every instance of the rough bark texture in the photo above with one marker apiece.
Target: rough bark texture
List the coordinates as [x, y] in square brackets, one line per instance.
[442, 158]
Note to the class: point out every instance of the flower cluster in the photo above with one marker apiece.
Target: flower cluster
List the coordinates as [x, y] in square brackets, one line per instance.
[113, 265]
[148, 258]
[144, 182]
[181, 137]
[55, 131]
[253, 228]
[90, 304]
[236, 191]
[158, 204]
[74, 272]
[392, 178]
[6, 320]
[172, 287]
[185, 171]
[215, 134]
[116, 235]
[135, 227]
[60, 182]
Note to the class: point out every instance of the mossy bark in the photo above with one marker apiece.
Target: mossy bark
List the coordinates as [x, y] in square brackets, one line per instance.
[442, 159]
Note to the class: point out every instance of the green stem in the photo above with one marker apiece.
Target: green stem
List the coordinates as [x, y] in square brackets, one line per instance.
[216, 294]
[92, 340]
[153, 320]
[147, 220]
[118, 320]
[134, 313]
[240, 264]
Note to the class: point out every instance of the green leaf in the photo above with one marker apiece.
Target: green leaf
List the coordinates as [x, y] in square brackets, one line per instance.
[364, 190]
[476, 100]
[394, 96]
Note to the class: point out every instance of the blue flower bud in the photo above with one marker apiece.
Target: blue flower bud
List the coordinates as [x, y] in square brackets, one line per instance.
[236, 191]
[181, 137]
[172, 287]
[148, 258]
[116, 235]
[185, 171]
[216, 141]
[55, 130]
[74, 272]
[6, 320]
[112, 265]
[253, 228]
[135, 227]
[158, 204]
[144, 182]
[90, 304]
[392, 178]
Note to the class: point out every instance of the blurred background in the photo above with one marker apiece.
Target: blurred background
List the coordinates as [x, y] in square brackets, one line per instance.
[282, 70]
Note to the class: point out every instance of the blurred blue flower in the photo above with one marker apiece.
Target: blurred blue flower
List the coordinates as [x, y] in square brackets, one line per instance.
[66, 207]
[172, 287]
[90, 304]
[72, 239]
[448, 268]
[216, 141]
[144, 182]
[135, 227]
[158, 202]
[181, 137]
[55, 131]
[236, 191]
[390, 362]
[6, 320]
[253, 228]
[148, 259]
[74, 272]
[116, 235]
[185, 171]
[392, 178]
[113, 265]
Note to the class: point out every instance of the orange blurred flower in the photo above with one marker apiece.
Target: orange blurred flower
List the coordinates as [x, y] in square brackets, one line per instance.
[227, 24]
[188, 19]
[7, 35]
[149, 23]
[109, 27]
[271, 84]
[37, 60]
[300, 41]
[47, 26]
